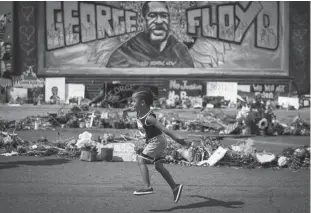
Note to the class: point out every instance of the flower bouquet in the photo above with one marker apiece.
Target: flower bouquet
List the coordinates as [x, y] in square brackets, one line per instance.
[87, 146]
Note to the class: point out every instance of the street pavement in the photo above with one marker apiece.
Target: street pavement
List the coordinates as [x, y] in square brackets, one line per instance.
[56, 185]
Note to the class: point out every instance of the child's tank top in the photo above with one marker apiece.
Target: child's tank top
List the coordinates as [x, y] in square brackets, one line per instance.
[150, 130]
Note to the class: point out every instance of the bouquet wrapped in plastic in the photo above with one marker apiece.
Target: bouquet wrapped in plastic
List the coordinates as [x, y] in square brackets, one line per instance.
[85, 142]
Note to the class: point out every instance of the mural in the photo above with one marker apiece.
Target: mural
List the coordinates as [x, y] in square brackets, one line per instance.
[210, 35]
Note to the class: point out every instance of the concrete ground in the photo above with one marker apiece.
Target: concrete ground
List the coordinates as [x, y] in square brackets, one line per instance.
[31, 185]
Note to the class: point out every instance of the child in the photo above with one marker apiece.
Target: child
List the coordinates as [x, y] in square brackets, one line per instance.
[156, 142]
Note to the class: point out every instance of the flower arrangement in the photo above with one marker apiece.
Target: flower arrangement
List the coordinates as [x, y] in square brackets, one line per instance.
[85, 142]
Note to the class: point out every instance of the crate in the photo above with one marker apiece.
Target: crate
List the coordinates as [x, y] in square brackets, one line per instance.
[105, 154]
[89, 156]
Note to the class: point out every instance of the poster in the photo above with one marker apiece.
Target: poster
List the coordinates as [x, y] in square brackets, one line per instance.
[228, 90]
[199, 37]
[55, 89]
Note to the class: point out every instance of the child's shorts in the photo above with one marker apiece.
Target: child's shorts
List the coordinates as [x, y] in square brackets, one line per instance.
[155, 148]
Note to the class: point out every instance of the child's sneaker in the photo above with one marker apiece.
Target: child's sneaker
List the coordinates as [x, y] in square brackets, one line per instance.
[177, 192]
[144, 191]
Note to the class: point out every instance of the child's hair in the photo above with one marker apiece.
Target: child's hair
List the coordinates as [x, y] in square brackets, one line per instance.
[144, 94]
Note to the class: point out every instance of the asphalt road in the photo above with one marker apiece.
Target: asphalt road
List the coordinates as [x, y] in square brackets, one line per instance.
[31, 185]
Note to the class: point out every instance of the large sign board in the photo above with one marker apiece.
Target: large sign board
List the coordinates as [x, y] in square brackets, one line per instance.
[137, 37]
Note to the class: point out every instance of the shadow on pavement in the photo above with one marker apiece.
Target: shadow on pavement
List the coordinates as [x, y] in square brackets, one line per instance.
[210, 202]
[46, 162]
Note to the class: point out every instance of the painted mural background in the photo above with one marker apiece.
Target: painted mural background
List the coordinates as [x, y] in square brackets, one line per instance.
[213, 35]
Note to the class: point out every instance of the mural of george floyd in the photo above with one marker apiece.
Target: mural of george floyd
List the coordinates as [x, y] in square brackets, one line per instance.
[217, 35]
[151, 42]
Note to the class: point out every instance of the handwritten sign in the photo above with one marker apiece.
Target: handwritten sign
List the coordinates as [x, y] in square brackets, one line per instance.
[268, 91]
[228, 90]
[125, 91]
[27, 83]
[181, 90]
[28, 79]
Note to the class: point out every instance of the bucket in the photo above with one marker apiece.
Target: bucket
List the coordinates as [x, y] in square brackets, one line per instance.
[106, 154]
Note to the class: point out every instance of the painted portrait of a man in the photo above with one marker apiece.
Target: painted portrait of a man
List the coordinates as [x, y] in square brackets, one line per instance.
[155, 46]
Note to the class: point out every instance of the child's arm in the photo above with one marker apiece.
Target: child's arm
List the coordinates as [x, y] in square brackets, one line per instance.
[125, 111]
[129, 109]
[176, 137]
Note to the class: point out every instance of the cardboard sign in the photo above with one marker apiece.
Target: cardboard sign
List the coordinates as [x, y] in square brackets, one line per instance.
[266, 91]
[184, 89]
[21, 93]
[289, 101]
[228, 90]
[74, 91]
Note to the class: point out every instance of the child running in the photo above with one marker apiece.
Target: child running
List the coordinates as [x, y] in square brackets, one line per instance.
[156, 142]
